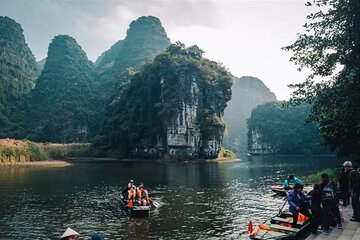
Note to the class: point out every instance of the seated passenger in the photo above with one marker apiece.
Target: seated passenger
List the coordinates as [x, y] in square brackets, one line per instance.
[142, 196]
[291, 180]
[124, 192]
[132, 184]
[130, 196]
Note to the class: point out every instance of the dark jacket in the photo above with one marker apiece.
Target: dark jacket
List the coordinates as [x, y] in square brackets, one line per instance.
[344, 180]
[294, 201]
[354, 182]
[334, 187]
[315, 199]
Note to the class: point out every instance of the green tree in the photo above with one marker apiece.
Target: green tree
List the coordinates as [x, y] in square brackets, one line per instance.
[284, 129]
[330, 48]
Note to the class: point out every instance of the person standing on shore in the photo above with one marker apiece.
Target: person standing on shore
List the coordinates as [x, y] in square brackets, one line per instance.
[354, 189]
[344, 184]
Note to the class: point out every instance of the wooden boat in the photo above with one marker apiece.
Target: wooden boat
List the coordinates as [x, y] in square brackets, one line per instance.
[279, 227]
[279, 190]
[135, 211]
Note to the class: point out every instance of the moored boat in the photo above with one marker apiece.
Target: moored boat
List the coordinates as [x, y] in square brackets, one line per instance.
[280, 227]
[279, 190]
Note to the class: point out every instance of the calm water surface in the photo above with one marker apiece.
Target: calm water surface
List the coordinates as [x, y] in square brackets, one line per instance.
[199, 200]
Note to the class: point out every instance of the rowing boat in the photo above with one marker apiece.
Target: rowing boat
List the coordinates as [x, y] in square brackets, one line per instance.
[135, 211]
[280, 227]
[279, 190]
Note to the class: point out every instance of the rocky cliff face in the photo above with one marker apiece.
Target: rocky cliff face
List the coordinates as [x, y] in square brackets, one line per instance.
[257, 147]
[172, 107]
[248, 92]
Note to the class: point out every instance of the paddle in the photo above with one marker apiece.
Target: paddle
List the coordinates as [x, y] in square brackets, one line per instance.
[280, 209]
[154, 203]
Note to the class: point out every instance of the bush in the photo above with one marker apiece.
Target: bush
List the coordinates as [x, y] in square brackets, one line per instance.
[334, 174]
[226, 154]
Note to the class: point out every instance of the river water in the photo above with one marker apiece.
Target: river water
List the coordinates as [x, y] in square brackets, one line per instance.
[204, 200]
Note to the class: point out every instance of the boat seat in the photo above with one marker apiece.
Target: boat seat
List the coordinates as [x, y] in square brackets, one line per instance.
[279, 227]
[279, 219]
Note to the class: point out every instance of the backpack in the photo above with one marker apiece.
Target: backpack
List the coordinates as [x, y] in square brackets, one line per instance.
[328, 193]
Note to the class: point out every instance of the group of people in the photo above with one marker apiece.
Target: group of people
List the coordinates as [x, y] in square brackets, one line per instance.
[136, 195]
[71, 234]
[325, 201]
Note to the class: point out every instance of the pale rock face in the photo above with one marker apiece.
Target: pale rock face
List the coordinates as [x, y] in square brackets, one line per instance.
[258, 148]
[183, 133]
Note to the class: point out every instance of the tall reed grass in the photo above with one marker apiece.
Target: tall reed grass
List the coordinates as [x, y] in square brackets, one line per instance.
[12, 151]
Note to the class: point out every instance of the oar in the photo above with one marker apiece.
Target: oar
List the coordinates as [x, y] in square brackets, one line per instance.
[286, 198]
[154, 203]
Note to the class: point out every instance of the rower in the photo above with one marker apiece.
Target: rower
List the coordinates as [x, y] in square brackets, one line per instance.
[132, 184]
[130, 195]
[142, 196]
[291, 180]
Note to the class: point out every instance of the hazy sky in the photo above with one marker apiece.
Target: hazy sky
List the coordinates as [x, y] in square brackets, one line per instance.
[246, 36]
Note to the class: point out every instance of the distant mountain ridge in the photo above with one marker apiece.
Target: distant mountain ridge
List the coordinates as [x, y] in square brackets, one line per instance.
[145, 38]
[247, 93]
[18, 73]
[60, 105]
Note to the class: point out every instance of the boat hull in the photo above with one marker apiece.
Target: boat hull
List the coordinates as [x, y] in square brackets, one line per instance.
[135, 211]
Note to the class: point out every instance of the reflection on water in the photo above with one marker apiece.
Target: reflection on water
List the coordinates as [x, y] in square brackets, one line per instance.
[199, 200]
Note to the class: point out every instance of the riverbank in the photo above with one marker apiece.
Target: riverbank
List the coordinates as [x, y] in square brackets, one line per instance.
[334, 174]
[47, 163]
[20, 151]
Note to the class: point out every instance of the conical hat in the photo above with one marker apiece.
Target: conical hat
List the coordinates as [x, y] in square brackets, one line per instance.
[69, 232]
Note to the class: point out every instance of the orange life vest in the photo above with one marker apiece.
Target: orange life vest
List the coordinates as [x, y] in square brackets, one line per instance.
[143, 195]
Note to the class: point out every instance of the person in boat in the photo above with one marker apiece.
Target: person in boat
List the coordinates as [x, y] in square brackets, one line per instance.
[296, 200]
[142, 195]
[69, 234]
[291, 180]
[129, 195]
[330, 203]
[133, 184]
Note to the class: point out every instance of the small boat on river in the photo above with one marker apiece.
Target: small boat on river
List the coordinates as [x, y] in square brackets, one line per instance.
[279, 190]
[135, 211]
[280, 227]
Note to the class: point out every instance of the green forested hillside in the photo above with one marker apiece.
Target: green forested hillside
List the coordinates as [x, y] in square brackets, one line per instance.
[247, 93]
[60, 107]
[144, 39]
[18, 72]
[106, 59]
[143, 110]
[283, 130]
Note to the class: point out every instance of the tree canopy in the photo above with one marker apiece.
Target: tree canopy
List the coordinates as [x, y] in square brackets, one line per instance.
[284, 129]
[330, 48]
